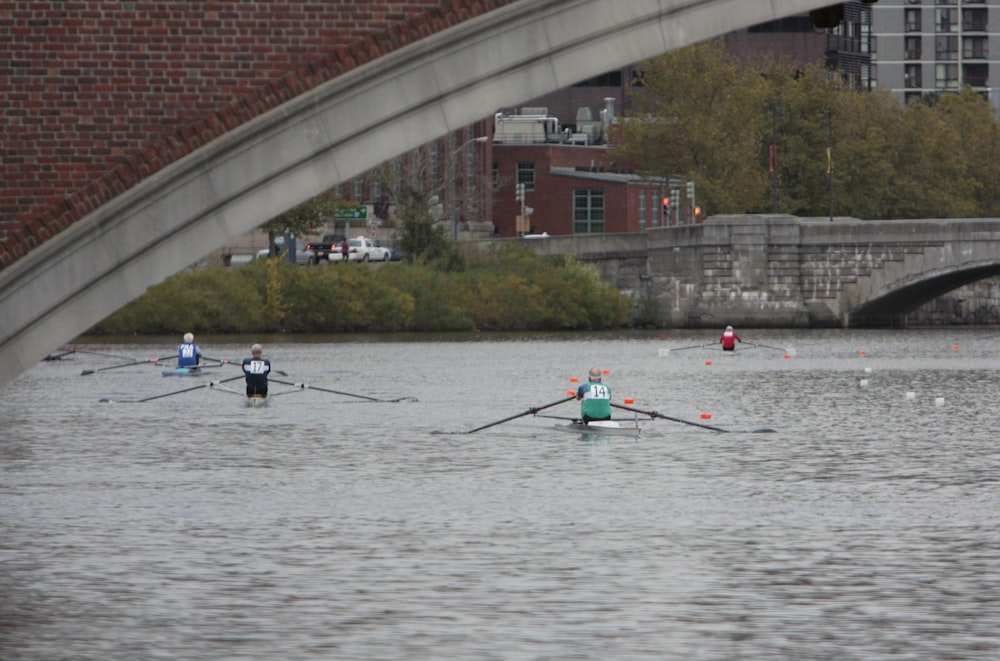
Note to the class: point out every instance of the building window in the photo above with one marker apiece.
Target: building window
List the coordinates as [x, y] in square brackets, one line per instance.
[913, 48]
[946, 77]
[975, 48]
[913, 22]
[913, 76]
[588, 211]
[526, 175]
[642, 207]
[977, 74]
[946, 47]
[974, 19]
[946, 20]
[496, 176]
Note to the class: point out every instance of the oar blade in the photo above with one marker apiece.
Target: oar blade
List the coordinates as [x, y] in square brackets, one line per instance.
[530, 411]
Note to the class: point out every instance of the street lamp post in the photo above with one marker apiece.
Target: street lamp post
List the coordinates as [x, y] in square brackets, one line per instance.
[826, 118]
[451, 184]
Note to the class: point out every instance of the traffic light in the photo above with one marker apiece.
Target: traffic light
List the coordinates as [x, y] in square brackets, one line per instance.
[690, 192]
[666, 206]
[519, 192]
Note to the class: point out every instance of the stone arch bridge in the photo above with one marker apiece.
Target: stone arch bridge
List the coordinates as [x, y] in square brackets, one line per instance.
[138, 136]
[783, 271]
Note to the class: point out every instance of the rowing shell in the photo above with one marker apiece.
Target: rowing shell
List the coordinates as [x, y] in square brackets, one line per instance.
[256, 401]
[601, 428]
[185, 371]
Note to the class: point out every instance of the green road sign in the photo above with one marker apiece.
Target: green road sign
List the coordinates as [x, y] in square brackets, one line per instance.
[351, 213]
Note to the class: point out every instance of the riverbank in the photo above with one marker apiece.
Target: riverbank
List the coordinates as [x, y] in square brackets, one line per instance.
[508, 288]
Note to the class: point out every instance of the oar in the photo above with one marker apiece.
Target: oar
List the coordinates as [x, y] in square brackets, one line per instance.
[767, 346]
[654, 414]
[237, 363]
[304, 386]
[95, 353]
[532, 410]
[693, 346]
[58, 356]
[215, 385]
[169, 394]
[154, 361]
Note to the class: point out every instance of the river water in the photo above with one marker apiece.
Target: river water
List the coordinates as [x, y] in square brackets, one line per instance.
[328, 526]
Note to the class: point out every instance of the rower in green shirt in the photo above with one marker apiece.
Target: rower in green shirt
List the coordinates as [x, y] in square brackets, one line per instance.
[596, 398]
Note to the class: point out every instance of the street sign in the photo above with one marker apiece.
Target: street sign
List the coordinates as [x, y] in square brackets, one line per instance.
[351, 213]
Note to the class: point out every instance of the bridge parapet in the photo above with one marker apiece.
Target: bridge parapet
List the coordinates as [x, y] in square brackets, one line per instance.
[783, 271]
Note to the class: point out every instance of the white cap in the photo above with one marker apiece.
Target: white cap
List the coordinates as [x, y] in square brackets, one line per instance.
[189, 338]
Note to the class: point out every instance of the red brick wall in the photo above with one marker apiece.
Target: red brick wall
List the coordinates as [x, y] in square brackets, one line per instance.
[96, 95]
[552, 199]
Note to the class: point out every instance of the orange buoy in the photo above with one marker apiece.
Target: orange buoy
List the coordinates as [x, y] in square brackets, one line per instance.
[862, 352]
[708, 362]
[706, 416]
[787, 356]
[954, 347]
[573, 379]
[571, 393]
[629, 401]
[605, 372]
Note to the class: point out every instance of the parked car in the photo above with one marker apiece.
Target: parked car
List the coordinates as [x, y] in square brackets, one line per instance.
[363, 249]
[302, 254]
[327, 248]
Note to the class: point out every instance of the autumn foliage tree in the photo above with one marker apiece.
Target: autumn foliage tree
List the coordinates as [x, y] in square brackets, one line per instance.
[706, 116]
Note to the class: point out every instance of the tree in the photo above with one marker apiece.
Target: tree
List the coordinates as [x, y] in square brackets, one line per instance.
[410, 186]
[692, 120]
[704, 115]
[304, 218]
[977, 132]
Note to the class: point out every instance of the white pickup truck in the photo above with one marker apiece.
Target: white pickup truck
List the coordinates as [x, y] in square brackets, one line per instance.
[363, 249]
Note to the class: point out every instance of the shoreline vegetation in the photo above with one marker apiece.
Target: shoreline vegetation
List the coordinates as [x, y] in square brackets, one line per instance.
[507, 288]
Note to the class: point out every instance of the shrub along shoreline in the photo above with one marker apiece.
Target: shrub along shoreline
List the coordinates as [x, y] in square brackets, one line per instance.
[509, 288]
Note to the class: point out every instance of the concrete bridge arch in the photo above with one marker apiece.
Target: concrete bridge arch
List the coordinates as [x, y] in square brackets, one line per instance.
[445, 79]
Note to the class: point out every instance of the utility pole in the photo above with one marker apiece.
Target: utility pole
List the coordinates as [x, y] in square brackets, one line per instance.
[772, 160]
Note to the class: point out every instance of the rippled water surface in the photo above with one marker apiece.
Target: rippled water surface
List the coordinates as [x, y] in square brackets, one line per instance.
[329, 526]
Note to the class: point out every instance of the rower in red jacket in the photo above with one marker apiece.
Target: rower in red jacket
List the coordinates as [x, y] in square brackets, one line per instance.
[729, 339]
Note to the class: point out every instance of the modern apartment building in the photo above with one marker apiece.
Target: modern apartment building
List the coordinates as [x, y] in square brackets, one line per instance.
[936, 46]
